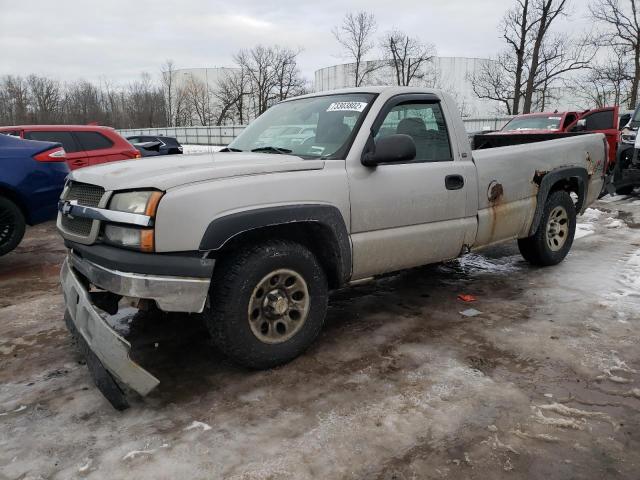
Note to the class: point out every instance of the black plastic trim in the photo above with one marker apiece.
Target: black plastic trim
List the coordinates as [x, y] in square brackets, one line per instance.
[184, 264]
[547, 183]
[223, 229]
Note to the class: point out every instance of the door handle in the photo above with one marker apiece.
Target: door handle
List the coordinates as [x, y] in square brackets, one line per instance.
[454, 182]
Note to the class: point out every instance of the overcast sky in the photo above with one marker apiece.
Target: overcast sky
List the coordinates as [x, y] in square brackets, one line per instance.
[117, 40]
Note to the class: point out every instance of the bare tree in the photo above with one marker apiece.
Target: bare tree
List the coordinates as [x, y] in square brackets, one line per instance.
[622, 24]
[45, 97]
[407, 56]
[167, 74]
[355, 34]
[272, 73]
[535, 60]
[198, 97]
[606, 83]
[231, 92]
[17, 93]
[516, 27]
[545, 13]
[493, 81]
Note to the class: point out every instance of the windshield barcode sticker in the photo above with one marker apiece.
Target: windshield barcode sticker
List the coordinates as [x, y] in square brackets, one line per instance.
[347, 107]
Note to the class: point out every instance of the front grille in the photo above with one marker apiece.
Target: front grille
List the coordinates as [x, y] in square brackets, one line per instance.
[84, 194]
[77, 226]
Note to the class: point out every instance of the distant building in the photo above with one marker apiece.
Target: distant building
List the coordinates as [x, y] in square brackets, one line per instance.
[451, 74]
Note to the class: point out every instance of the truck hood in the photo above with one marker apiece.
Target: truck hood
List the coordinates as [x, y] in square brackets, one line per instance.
[165, 172]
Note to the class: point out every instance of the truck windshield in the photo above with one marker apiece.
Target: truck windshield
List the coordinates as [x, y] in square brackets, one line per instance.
[315, 127]
[544, 122]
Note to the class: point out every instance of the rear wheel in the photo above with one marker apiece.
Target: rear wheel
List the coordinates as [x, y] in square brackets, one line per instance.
[551, 242]
[268, 303]
[12, 225]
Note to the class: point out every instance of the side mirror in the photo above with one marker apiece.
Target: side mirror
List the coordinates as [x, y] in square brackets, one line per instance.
[581, 125]
[393, 148]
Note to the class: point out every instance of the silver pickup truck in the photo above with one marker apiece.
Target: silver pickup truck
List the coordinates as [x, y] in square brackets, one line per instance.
[254, 237]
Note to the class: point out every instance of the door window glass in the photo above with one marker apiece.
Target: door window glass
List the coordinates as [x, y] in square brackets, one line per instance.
[600, 120]
[65, 138]
[424, 122]
[93, 140]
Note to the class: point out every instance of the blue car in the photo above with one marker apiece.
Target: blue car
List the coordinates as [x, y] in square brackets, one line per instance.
[32, 176]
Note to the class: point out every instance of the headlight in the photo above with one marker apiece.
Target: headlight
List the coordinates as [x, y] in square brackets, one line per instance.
[628, 136]
[144, 202]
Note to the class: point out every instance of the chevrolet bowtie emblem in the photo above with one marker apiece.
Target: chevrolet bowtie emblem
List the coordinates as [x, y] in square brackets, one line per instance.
[67, 206]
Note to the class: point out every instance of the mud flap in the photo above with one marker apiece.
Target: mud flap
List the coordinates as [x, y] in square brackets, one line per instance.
[101, 377]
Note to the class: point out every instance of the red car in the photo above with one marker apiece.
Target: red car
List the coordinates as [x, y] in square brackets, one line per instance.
[85, 145]
[602, 120]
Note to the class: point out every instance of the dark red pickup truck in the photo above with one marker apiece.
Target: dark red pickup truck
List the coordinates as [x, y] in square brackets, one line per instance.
[601, 120]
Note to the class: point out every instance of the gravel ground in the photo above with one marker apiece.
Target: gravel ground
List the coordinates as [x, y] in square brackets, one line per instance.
[542, 383]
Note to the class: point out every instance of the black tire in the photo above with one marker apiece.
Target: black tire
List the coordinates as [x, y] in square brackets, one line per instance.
[235, 289]
[626, 190]
[536, 249]
[12, 225]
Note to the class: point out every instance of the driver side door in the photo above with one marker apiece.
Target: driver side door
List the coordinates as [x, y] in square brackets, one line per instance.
[412, 213]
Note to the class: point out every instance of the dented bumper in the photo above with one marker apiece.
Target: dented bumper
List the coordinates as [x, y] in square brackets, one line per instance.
[100, 339]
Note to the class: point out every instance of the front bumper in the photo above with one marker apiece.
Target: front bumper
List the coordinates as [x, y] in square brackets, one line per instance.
[106, 349]
[110, 348]
[171, 293]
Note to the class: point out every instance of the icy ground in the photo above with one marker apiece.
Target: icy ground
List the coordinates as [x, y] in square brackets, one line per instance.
[542, 381]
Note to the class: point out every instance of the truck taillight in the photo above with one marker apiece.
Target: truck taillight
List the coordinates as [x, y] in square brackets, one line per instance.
[53, 155]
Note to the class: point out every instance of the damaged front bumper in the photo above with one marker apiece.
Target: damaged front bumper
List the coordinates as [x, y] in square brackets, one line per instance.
[108, 352]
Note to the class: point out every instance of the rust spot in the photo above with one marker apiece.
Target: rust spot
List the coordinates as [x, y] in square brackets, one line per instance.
[538, 176]
[495, 192]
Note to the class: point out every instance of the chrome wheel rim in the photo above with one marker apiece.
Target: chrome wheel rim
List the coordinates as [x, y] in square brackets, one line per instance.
[279, 306]
[557, 228]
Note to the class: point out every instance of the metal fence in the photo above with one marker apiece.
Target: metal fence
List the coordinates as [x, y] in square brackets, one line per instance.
[476, 124]
[224, 135]
[192, 135]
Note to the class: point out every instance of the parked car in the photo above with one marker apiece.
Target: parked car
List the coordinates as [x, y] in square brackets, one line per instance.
[151, 145]
[545, 126]
[32, 175]
[255, 239]
[86, 145]
[626, 174]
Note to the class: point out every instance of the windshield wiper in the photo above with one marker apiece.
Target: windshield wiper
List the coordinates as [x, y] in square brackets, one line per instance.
[271, 149]
[230, 149]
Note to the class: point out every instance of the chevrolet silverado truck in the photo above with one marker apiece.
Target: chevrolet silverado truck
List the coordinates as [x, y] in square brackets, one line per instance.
[254, 237]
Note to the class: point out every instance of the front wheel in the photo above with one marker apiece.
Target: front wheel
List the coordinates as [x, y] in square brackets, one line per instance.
[551, 242]
[268, 303]
[12, 225]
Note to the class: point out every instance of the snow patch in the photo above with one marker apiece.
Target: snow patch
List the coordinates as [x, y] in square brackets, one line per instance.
[194, 149]
[195, 424]
[136, 453]
[583, 229]
[591, 215]
[19, 409]
[475, 263]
